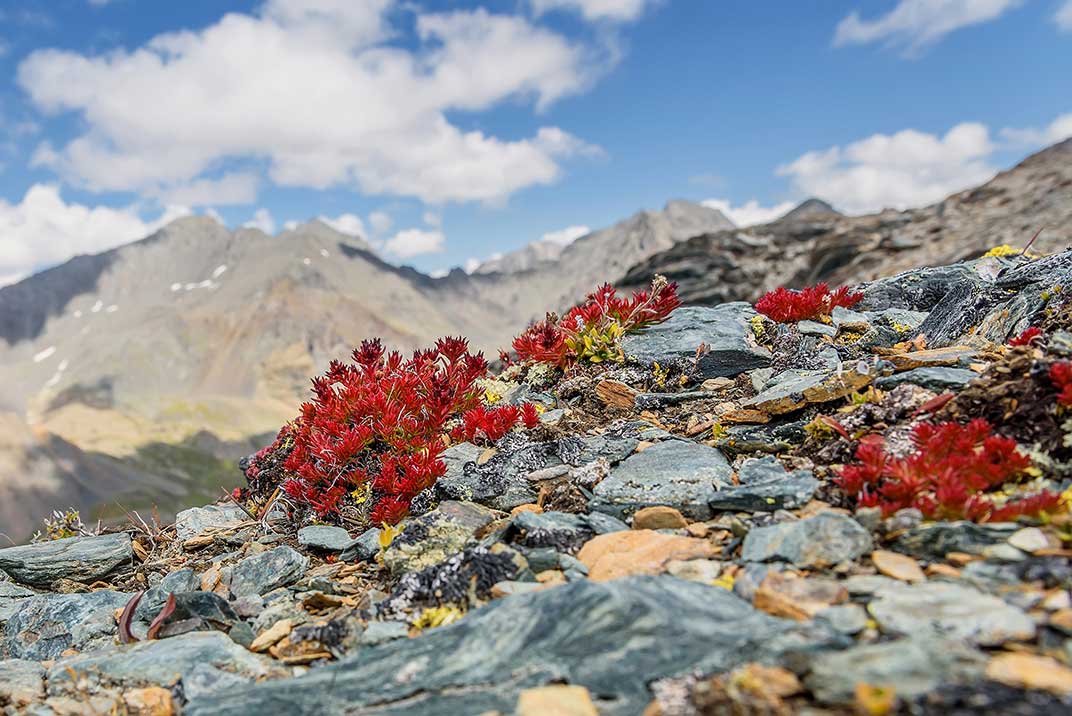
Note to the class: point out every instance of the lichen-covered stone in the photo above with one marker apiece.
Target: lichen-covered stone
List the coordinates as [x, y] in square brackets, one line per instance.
[45, 626]
[824, 540]
[269, 570]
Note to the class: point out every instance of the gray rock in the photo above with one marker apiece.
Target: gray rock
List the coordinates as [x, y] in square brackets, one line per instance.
[846, 319]
[725, 331]
[162, 662]
[826, 539]
[364, 547]
[865, 585]
[935, 540]
[773, 437]
[384, 631]
[11, 598]
[82, 559]
[266, 571]
[183, 580]
[46, 625]
[911, 667]
[917, 290]
[21, 682]
[612, 638]
[1061, 343]
[192, 522]
[326, 538]
[766, 486]
[814, 328]
[844, 618]
[654, 401]
[937, 379]
[950, 610]
[678, 474]
[562, 531]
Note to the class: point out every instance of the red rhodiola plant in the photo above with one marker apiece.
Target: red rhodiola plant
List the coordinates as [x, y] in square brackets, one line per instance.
[373, 432]
[1027, 337]
[810, 304]
[593, 330]
[948, 476]
[1061, 376]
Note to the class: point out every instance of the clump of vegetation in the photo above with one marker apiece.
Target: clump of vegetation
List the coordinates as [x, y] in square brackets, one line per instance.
[62, 524]
[592, 332]
[953, 474]
[1029, 336]
[1061, 376]
[815, 303]
[370, 439]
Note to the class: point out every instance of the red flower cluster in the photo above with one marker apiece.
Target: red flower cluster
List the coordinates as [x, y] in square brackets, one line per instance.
[810, 304]
[376, 426]
[594, 328]
[490, 424]
[1027, 337]
[947, 477]
[1061, 375]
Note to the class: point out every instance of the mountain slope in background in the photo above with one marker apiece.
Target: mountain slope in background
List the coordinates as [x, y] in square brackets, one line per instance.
[813, 243]
[162, 361]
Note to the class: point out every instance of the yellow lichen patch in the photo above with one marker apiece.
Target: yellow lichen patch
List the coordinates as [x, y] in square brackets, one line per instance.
[433, 617]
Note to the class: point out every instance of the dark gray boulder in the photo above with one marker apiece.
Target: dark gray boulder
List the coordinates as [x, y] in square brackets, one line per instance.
[613, 638]
[766, 486]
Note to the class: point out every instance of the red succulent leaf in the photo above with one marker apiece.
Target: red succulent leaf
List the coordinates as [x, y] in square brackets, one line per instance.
[809, 304]
[167, 611]
[126, 617]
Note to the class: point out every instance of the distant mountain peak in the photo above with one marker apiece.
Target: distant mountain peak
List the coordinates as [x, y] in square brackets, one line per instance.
[810, 209]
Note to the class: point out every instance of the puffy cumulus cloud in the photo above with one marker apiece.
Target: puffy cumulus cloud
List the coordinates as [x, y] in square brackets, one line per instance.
[415, 242]
[472, 264]
[350, 224]
[380, 221]
[262, 219]
[566, 236]
[235, 188]
[1056, 131]
[340, 103]
[595, 10]
[432, 219]
[906, 169]
[915, 24]
[43, 230]
[1063, 18]
[749, 213]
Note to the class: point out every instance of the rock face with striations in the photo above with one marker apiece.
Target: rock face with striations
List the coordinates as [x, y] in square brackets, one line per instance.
[83, 559]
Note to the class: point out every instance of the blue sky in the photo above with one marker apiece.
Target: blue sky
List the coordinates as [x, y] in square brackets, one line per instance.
[445, 131]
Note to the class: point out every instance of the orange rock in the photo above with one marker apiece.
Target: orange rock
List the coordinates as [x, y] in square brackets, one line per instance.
[150, 701]
[960, 558]
[942, 570]
[616, 394]
[658, 518]
[551, 577]
[796, 598]
[620, 554]
[1028, 671]
[698, 529]
[526, 508]
[898, 566]
[556, 700]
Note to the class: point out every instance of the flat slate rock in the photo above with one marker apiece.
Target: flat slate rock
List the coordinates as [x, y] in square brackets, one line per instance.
[192, 522]
[937, 378]
[824, 540]
[11, 598]
[679, 474]
[47, 625]
[935, 540]
[725, 330]
[266, 571]
[612, 638]
[82, 559]
[950, 610]
[162, 662]
[766, 486]
[326, 538]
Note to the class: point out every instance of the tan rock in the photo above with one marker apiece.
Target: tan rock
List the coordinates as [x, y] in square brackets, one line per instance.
[1062, 619]
[658, 518]
[744, 416]
[616, 394]
[556, 700]
[210, 577]
[928, 358]
[942, 570]
[897, 566]
[960, 559]
[620, 554]
[695, 570]
[1029, 671]
[271, 636]
[797, 598]
[698, 529]
[526, 508]
[551, 577]
[150, 701]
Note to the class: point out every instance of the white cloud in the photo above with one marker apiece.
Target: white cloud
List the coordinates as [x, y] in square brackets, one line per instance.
[915, 24]
[566, 236]
[235, 188]
[593, 10]
[338, 105]
[1057, 130]
[380, 221]
[906, 169]
[1063, 18]
[262, 219]
[346, 224]
[472, 264]
[432, 219]
[749, 213]
[43, 229]
[414, 242]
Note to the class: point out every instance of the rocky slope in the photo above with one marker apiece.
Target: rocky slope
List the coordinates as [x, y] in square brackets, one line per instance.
[672, 539]
[815, 244]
